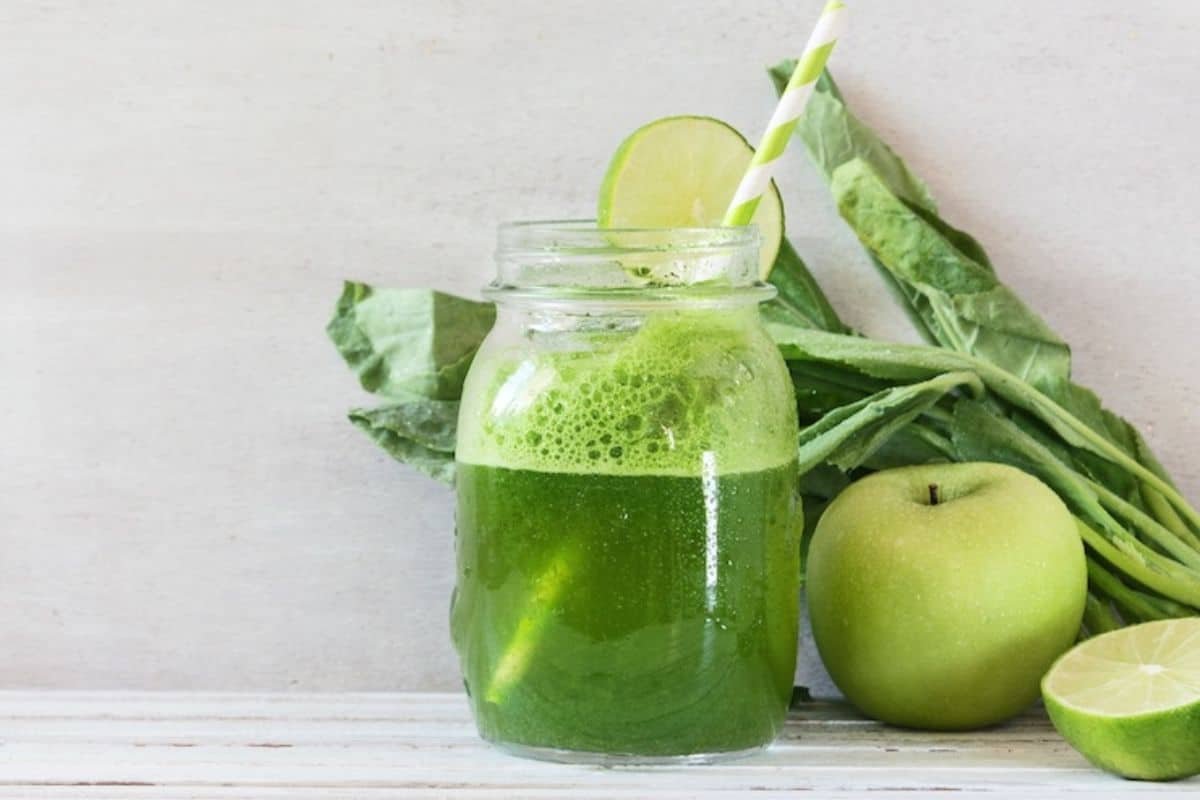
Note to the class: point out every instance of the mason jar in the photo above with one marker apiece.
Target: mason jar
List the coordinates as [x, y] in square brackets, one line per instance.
[628, 522]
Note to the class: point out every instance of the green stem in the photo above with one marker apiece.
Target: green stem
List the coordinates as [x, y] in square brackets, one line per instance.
[1168, 516]
[1021, 394]
[1132, 603]
[1098, 616]
[949, 338]
[1156, 532]
[1144, 565]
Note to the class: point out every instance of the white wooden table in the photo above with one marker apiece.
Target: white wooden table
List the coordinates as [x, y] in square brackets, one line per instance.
[177, 745]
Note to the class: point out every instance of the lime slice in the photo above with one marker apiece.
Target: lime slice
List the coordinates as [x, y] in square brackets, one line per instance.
[1129, 700]
[680, 172]
[543, 600]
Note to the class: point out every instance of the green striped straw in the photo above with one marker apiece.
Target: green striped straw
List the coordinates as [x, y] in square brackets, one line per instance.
[783, 121]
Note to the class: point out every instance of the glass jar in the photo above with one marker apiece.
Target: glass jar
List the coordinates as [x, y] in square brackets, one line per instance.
[628, 523]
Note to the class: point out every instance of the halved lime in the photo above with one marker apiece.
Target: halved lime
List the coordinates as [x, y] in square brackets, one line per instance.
[679, 172]
[1129, 700]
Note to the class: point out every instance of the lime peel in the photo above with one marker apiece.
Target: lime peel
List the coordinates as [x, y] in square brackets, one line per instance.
[1129, 700]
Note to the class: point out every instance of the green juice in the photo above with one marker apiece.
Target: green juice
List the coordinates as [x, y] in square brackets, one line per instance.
[628, 541]
[644, 613]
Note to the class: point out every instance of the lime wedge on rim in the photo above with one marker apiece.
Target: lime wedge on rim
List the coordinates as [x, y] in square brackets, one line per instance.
[681, 172]
[1129, 700]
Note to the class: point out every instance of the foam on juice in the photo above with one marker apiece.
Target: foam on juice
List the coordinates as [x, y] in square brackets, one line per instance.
[652, 402]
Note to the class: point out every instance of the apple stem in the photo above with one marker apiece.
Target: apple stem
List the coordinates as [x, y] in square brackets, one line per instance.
[933, 494]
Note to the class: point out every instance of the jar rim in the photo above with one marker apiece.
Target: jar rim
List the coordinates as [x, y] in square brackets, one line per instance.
[577, 259]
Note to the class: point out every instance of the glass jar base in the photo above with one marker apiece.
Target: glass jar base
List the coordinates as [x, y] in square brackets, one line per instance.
[620, 759]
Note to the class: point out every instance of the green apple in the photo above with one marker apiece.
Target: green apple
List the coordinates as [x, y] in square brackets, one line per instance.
[941, 594]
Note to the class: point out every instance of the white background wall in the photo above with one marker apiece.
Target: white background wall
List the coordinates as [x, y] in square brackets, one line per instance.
[184, 184]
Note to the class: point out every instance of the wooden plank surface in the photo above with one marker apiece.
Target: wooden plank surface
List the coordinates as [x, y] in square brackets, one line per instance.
[172, 745]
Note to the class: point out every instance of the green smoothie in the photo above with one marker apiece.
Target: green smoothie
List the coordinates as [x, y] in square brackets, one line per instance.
[628, 554]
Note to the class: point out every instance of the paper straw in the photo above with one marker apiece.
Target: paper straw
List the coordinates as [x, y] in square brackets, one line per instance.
[783, 121]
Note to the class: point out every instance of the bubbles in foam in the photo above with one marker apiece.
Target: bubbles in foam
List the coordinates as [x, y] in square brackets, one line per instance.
[650, 402]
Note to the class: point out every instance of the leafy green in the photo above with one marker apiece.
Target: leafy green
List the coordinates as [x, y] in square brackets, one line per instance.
[969, 310]
[848, 436]
[943, 274]
[404, 342]
[908, 363]
[962, 302]
[833, 136]
[800, 302]
[919, 442]
[1098, 615]
[946, 283]
[411, 347]
[418, 432]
